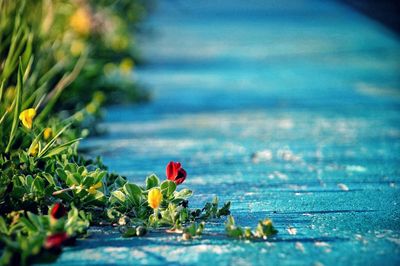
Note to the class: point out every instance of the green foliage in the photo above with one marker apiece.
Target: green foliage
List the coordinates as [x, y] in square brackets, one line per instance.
[211, 211]
[263, 230]
[59, 63]
[168, 188]
[152, 181]
[25, 235]
[77, 221]
[134, 231]
[194, 229]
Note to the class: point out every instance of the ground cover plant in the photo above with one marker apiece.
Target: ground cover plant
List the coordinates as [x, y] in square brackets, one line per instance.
[59, 63]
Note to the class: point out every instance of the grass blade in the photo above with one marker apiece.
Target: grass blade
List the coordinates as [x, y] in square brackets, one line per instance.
[52, 141]
[18, 100]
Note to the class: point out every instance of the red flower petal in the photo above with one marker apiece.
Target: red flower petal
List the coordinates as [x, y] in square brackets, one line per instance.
[55, 241]
[172, 170]
[58, 211]
[175, 172]
[181, 176]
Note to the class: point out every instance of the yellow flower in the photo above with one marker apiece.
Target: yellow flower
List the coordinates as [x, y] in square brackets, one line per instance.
[60, 54]
[10, 93]
[119, 43]
[267, 222]
[80, 21]
[79, 116]
[77, 47]
[154, 198]
[91, 108]
[48, 132]
[27, 116]
[93, 189]
[34, 150]
[99, 97]
[126, 66]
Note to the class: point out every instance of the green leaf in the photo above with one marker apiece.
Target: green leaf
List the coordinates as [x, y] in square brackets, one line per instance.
[28, 224]
[28, 180]
[225, 210]
[17, 107]
[72, 179]
[1, 90]
[49, 178]
[265, 228]
[35, 141]
[231, 229]
[61, 173]
[3, 226]
[88, 181]
[71, 167]
[191, 229]
[119, 196]
[52, 141]
[152, 181]
[96, 199]
[119, 182]
[183, 194]
[133, 192]
[130, 232]
[200, 228]
[35, 220]
[58, 149]
[167, 188]
[38, 185]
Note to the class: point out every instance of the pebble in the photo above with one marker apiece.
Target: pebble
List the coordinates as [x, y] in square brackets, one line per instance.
[300, 246]
[343, 187]
[292, 230]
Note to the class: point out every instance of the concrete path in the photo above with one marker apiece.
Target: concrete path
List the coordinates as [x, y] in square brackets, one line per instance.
[289, 109]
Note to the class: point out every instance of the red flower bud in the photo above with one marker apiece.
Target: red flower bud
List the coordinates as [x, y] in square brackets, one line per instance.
[175, 172]
[55, 241]
[58, 211]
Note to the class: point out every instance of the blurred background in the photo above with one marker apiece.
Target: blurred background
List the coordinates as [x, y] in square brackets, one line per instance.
[290, 109]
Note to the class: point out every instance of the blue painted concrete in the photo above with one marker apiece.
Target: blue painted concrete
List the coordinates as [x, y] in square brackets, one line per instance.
[289, 109]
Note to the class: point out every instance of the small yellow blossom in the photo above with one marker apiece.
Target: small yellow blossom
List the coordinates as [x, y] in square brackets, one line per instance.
[119, 43]
[34, 150]
[60, 54]
[93, 189]
[47, 133]
[154, 198]
[77, 47]
[80, 21]
[10, 93]
[91, 108]
[267, 222]
[27, 116]
[99, 97]
[79, 116]
[126, 66]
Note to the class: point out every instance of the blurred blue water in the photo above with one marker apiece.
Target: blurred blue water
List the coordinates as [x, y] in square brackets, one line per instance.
[290, 109]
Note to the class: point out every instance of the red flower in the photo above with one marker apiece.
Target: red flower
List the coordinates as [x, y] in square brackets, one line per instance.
[58, 211]
[55, 241]
[175, 172]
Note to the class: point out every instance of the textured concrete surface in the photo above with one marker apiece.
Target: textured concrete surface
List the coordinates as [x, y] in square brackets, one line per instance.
[289, 109]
